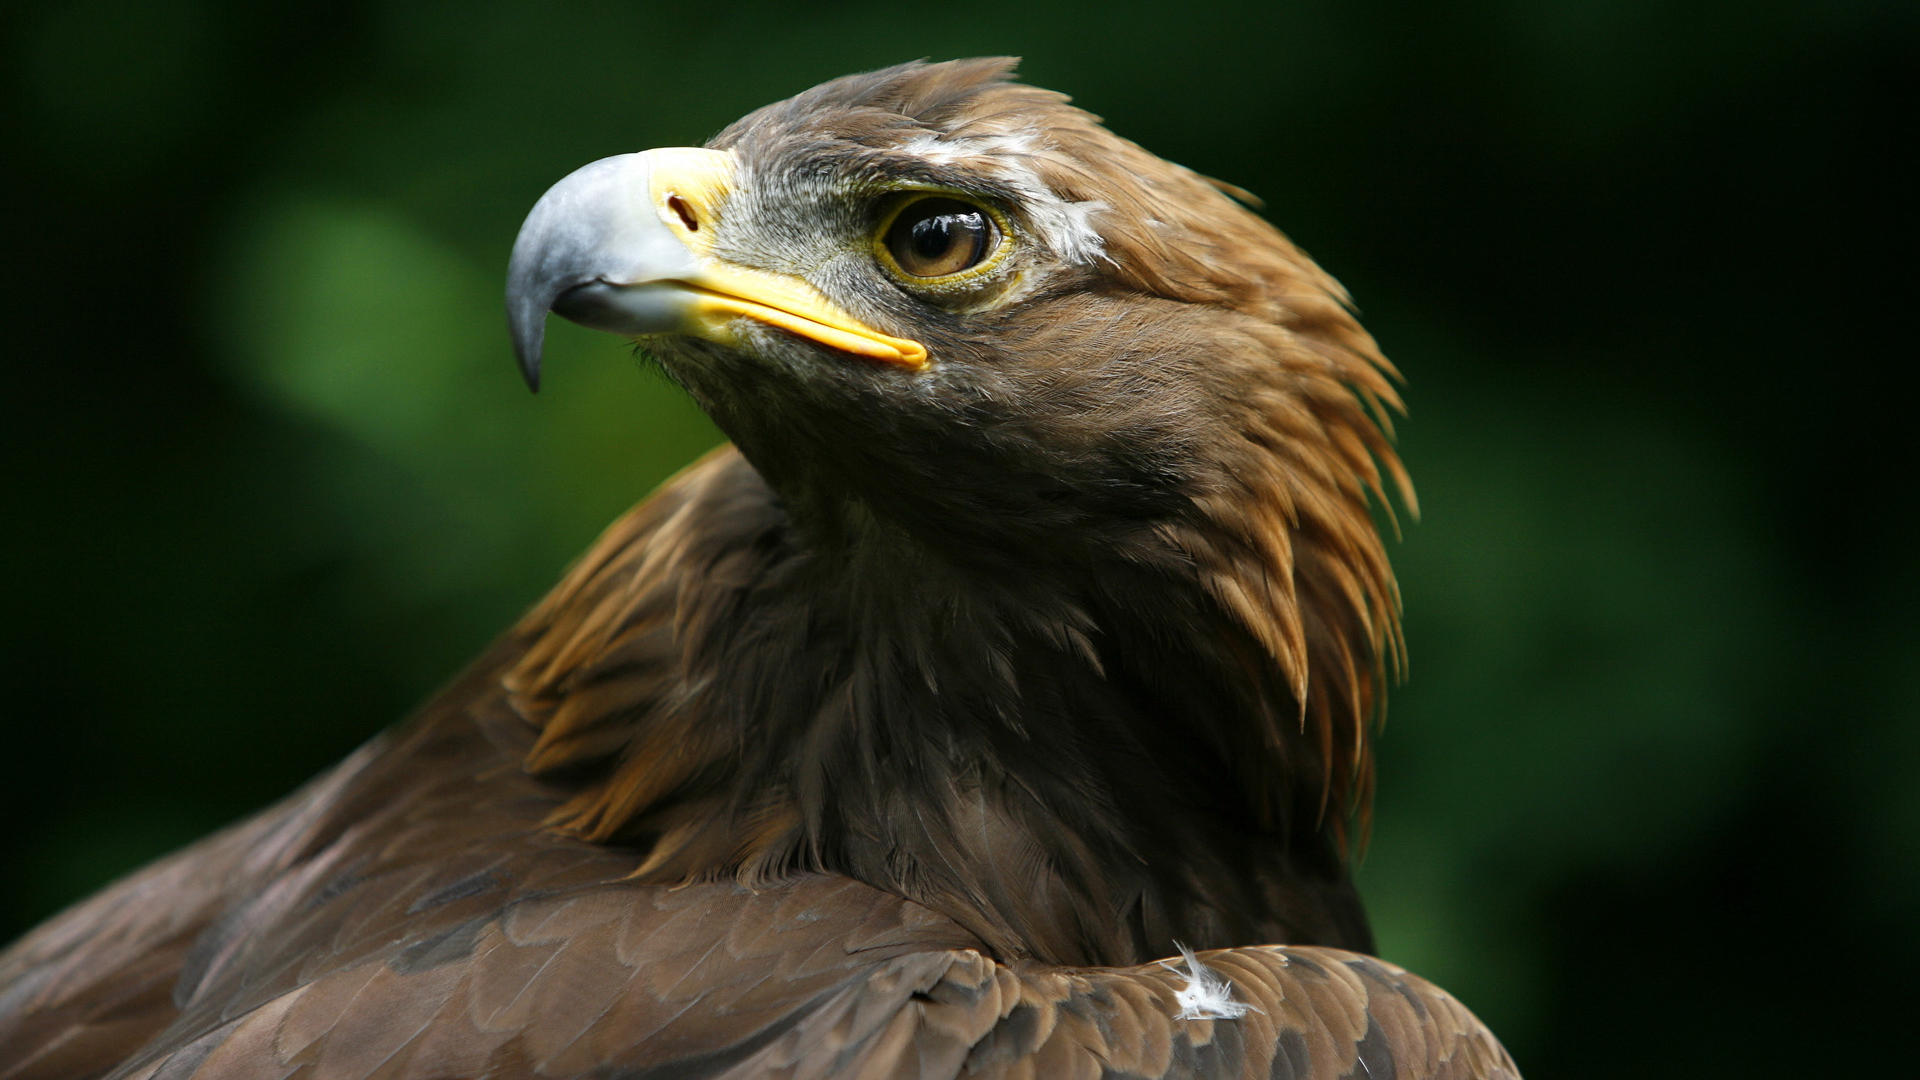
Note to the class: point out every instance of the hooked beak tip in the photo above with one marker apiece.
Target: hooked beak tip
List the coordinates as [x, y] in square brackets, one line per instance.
[527, 325]
[528, 353]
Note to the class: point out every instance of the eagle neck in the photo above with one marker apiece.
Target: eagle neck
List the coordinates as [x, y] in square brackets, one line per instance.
[1046, 755]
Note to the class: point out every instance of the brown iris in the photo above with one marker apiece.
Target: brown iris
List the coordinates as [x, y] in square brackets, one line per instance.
[938, 237]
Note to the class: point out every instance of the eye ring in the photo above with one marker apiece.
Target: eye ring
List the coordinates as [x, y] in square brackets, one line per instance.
[938, 240]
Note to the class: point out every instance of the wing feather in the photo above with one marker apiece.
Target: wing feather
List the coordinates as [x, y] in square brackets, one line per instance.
[1323, 1014]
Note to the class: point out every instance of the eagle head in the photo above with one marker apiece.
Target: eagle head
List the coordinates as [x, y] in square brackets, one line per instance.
[964, 307]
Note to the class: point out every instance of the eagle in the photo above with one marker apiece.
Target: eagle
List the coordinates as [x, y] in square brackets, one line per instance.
[996, 703]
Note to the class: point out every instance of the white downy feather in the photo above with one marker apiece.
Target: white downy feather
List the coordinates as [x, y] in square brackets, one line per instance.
[1207, 996]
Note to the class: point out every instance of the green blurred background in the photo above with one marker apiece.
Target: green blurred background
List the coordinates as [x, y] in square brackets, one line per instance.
[1648, 800]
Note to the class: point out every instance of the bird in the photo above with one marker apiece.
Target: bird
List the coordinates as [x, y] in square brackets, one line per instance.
[996, 702]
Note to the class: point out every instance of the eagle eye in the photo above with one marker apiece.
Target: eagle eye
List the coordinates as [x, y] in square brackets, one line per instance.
[939, 237]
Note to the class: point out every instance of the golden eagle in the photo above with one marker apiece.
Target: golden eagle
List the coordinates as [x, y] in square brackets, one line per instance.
[1026, 637]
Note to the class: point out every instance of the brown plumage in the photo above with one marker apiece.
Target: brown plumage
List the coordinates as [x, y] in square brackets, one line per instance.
[901, 740]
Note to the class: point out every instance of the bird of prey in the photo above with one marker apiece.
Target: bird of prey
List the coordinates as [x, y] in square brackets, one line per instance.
[996, 704]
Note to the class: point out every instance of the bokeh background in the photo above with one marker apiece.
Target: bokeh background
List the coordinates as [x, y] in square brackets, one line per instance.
[1649, 799]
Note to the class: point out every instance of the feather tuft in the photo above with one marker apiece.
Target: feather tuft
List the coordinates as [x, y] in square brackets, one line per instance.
[1206, 996]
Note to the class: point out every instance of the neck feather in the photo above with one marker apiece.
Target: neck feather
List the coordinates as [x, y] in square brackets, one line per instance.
[1078, 770]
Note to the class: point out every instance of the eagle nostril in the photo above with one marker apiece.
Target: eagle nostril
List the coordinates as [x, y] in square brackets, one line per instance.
[681, 207]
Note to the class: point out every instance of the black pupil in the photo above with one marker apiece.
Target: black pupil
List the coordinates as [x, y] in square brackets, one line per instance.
[935, 237]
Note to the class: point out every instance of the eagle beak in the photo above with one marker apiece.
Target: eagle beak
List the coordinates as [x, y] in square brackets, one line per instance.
[625, 245]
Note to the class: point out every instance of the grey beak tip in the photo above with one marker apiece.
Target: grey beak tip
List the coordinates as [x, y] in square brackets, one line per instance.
[527, 324]
[528, 353]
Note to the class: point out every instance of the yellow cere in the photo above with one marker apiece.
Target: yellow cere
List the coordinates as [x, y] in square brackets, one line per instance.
[690, 187]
